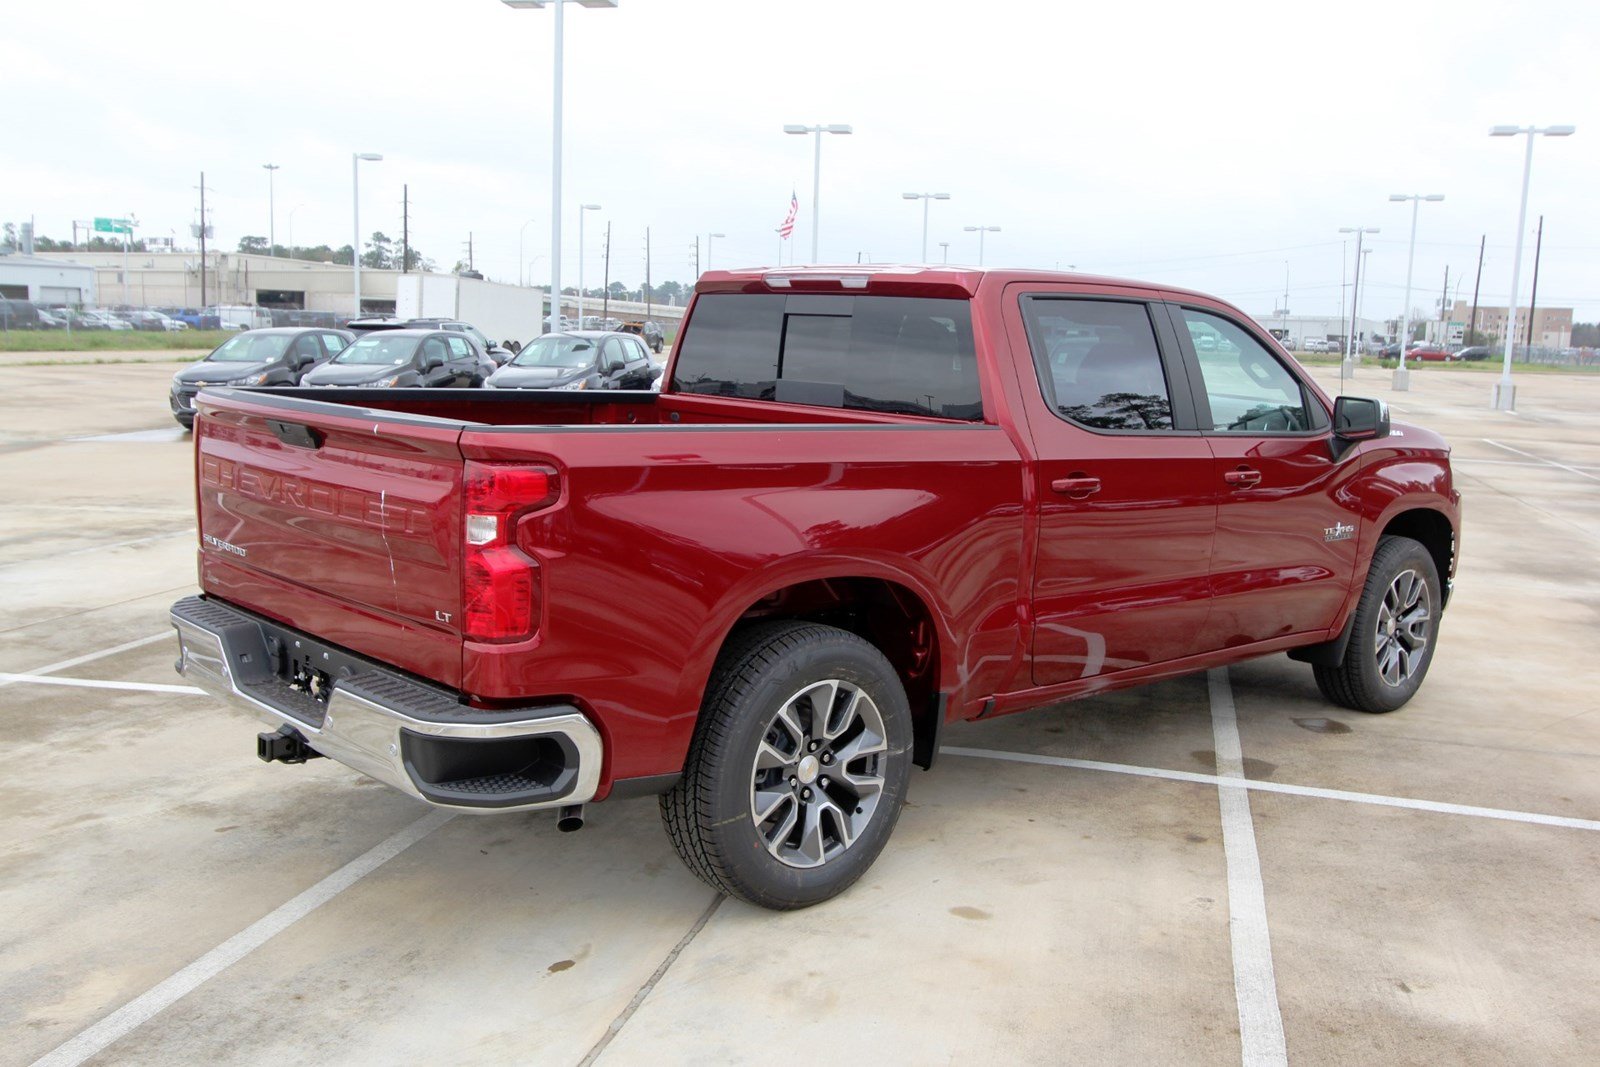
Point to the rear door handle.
(1077, 487)
(1243, 478)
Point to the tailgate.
(342, 522)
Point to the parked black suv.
(271, 356)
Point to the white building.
(1302, 328)
(46, 280)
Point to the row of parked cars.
(416, 353)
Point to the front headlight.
(581, 383)
(384, 383)
(254, 379)
(177, 379)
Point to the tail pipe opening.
(569, 818)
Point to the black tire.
(767, 675)
(1382, 666)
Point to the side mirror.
(612, 366)
(432, 360)
(1357, 418)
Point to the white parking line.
(1281, 787)
(1255, 987)
(51, 668)
(1513, 463)
(95, 683)
(147, 1005)
(1541, 459)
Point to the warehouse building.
(1298, 329)
(45, 280)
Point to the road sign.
(112, 225)
(1456, 333)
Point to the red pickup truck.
(866, 503)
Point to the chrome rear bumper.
(414, 737)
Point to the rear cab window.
(902, 355)
(1099, 363)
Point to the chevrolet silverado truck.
(867, 502)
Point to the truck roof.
(898, 279)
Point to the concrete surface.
(1022, 913)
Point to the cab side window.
(459, 347)
(1098, 363)
(1248, 390)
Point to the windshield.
(550, 351)
(251, 348)
(378, 349)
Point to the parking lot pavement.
(1411, 888)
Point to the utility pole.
(202, 241)
(469, 250)
(1344, 264)
(605, 296)
(697, 255)
(405, 228)
(1444, 296)
(1533, 299)
(647, 308)
(1472, 326)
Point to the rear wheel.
(1393, 634)
(798, 767)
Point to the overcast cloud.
(1212, 146)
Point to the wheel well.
(1433, 531)
(891, 616)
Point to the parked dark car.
(20, 315)
(494, 351)
(277, 356)
(582, 359)
(405, 359)
(195, 317)
(1474, 352)
(650, 331)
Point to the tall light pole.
(980, 231)
(1355, 295)
(521, 275)
(555, 152)
(1402, 377)
(709, 238)
(944, 249)
(581, 209)
(272, 211)
(292, 210)
(816, 173)
(356, 159)
(924, 197)
(1505, 393)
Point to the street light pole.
(980, 231)
(1347, 364)
(272, 211)
(944, 250)
(709, 238)
(816, 173)
(1505, 393)
(555, 152)
(292, 210)
(924, 197)
(581, 209)
(1402, 377)
(355, 197)
(521, 269)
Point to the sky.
(1217, 146)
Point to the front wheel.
(798, 767)
(1394, 632)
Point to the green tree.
(380, 252)
(257, 245)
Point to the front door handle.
(1242, 478)
(1077, 487)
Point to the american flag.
(788, 220)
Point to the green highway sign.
(112, 225)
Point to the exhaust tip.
(570, 818)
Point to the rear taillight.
(500, 583)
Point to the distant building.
(46, 281)
(1303, 328)
(1552, 327)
